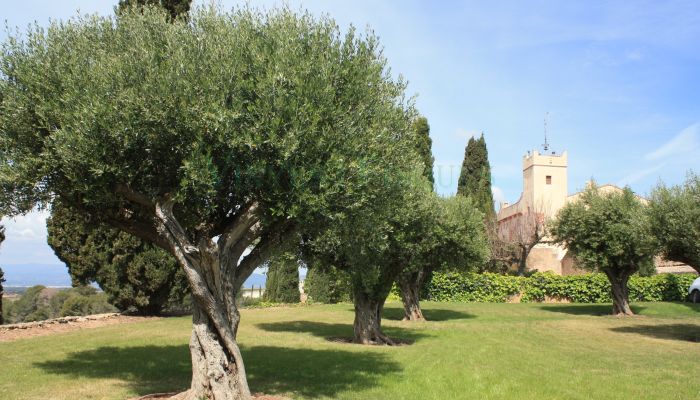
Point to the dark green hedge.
(589, 288)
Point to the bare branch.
(238, 227)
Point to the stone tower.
(545, 186)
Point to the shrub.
(38, 303)
(588, 288)
(327, 285)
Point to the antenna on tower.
(546, 144)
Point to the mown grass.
(466, 351)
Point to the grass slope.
(467, 351)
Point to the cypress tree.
(132, 272)
(282, 285)
(421, 130)
(475, 177)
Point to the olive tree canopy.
(675, 216)
(609, 233)
(207, 137)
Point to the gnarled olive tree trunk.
(368, 316)
(216, 374)
(215, 275)
(410, 285)
(620, 292)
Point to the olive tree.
(609, 233)
(225, 133)
(451, 237)
(675, 216)
(368, 248)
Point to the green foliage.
(606, 232)
(277, 109)
(39, 303)
(609, 233)
(132, 272)
(675, 217)
(327, 285)
(176, 8)
(282, 284)
(421, 130)
(587, 288)
(475, 177)
(472, 287)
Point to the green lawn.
(467, 351)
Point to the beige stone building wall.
(545, 192)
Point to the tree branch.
(262, 252)
(132, 195)
(238, 228)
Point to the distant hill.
(56, 275)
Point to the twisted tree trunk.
(368, 319)
(216, 374)
(620, 292)
(410, 285)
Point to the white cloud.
(498, 196)
(31, 226)
(634, 55)
(25, 241)
(683, 143)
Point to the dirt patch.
(25, 330)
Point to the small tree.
(282, 284)
(132, 272)
(609, 233)
(518, 236)
(369, 248)
(675, 218)
(452, 238)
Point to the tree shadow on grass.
(315, 373)
(147, 369)
(585, 309)
(431, 314)
(694, 307)
(683, 332)
(271, 370)
(335, 331)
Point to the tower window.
(549, 179)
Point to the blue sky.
(620, 81)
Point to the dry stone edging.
(61, 320)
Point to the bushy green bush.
(588, 288)
(327, 285)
